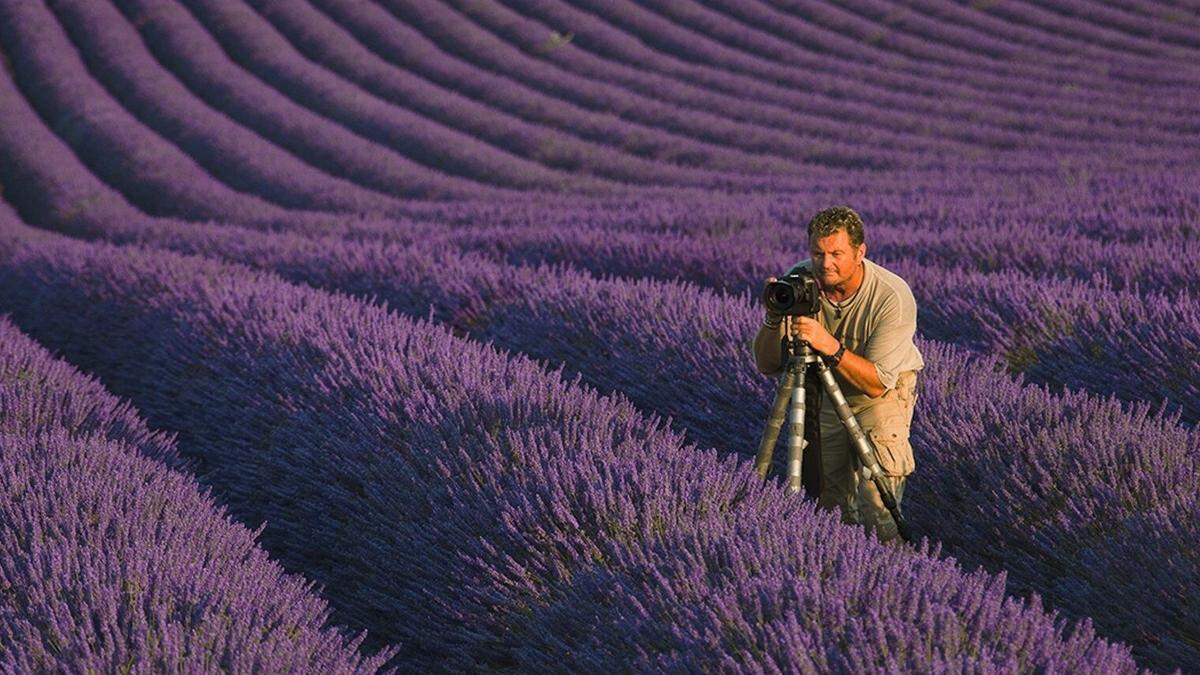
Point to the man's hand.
(813, 332)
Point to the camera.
(794, 294)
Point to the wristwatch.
(836, 357)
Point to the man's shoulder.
(802, 265)
(889, 283)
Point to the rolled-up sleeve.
(891, 342)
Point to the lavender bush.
(553, 140)
(110, 560)
(262, 51)
(421, 476)
(41, 394)
(245, 161)
(698, 372)
(606, 185)
(113, 143)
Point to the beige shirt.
(877, 323)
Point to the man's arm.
(858, 370)
(768, 357)
(861, 373)
(768, 351)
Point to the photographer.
(865, 334)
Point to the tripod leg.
(766, 446)
(811, 466)
(796, 440)
(864, 449)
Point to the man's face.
(834, 260)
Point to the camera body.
(794, 294)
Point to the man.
(865, 334)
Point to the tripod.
(791, 389)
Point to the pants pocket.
(890, 437)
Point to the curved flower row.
(118, 60)
(114, 144)
(111, 557)
(512, 112)
(682, 351)
(446, 493)
(1061, 332)
(456, 54)
(691, 36)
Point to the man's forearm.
(861, 373)
(768, 352)
(768, 357)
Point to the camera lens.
(780, 296)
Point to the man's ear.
(862, 250)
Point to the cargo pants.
(887, 421)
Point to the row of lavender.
(145, 175)
(148, 183)
(375, 49)
(627, 336)
(806, 64)
(312, 33)
(526, 121)
(1064, 332)
(136, 185)
(458, 27)
(172, 189)
(253, 44)
(459, 33)
(498, 40)
(120, 149)
(654, 98)
(469, 504)
(112, 557)
(103, 134)
(161, 176)
(1063, 319)
(941, 39)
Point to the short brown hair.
(836, 218)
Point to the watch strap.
(836, 357)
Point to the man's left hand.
(813, 332)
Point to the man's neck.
(844, 290)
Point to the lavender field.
(412, 336)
